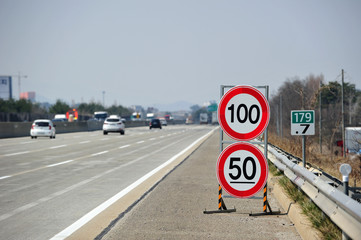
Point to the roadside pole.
(304, 150)
(303, 124)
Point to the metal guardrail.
(344, 211)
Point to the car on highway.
(60, 118)
(155, 123)
(163, 121)
(42, 128)
(114, 124)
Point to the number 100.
(248, 113)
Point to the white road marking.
(99, 153)
(14, 154)
(4, 177)
(60, 146)
(61, 163)
(84, 142)
(125, 146)
(89, 216)
(140, 142)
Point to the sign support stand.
(221, 205)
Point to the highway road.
(51, 187)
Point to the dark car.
(155, 123)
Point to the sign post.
(302, 124)
(243, 114)
(242, 169)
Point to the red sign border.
(220, 169)
(264, 108)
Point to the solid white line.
(3, 177)
(57, 164)
(125, 146)
(18, 153)
(60, 146)
(89, 216)
(99, 153)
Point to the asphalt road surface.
(52, 187)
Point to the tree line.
(25, 110)
(312, 93)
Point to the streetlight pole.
(103, 98)
(320, 103)
(343, 118)
(19, 81)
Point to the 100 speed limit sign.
(243, 113)
(242, 170)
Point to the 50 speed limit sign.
(242, 170)
(243, 113)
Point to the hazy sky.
(144, 52)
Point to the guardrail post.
(345, 170)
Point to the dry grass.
(317, 218)
(326, 161)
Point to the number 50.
(233, 165)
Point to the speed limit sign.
(242, 170)
(243, 113)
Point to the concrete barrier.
(22, 129)
(14, 129)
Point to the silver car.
(42, 128)
(114, 124)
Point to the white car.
(163, 121)
(42, 128)
(113, 124)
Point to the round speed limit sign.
(243, 113)
(242, 170)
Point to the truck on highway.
(203, 118)
(353, 139)
(150, 116)
(136, 116)
(100, 116)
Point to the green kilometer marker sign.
(303, 122)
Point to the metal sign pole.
(304, 150)
(221, 205)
